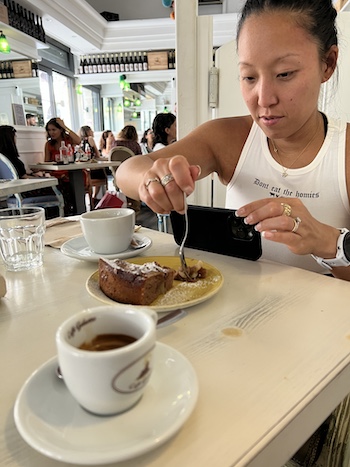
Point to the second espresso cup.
(108, 231)
(105, 355)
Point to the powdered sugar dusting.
(136, 269)
(183, 292)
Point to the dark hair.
(317, 17)
(129, 132)
(160, 123)
(53, 122)
(30, 115)
(7, 141)
(145, 133)
(103, 139)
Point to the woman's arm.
(215, 146)
(92, 143)
(47, 152)
(73, 136)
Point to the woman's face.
(149, 136)
(110, 137)
(54, 132)
(280, 73)
(172, 131)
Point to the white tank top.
(321, 186)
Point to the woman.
(147, 141)
(286, 165)
(8, 147)
(164, 130)
(56, 133)
(128, 137)
(106, 143)
(98, 178)
(87, 140)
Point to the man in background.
(31, 120)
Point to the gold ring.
(297, 221)
(166, 179)
(287, 209)
(150, 180)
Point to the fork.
(184, 268)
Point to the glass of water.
(22, 237)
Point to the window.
(57, 83)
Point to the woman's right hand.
(164, 183)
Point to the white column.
(194, 44)
(186, 65)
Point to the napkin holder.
(112, 199)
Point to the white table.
(76, 178)
(261, 393)
(25, 184)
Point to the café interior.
(242, 376)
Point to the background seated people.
(98, 177)
(128, 137)
(8, 147)
(31, 120)
(56, 132)
(164, 130)
(147, 141)
(106, 143)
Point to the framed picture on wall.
(18, 114)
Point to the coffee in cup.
(108, 231)
(105, 355)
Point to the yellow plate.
(181, 295)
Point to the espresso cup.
(105, 356)
(108, 231)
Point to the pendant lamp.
(4, 45)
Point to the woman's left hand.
(286, 220)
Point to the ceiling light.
(4, 45)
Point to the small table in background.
(11, 187)
(76, 177)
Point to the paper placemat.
(61, 229)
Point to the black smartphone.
(217, 230)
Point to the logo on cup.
(135, 376)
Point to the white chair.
(119, 153)
(8, 171)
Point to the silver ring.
(150, 180)
(297, 221)
(166, 179)
(287, 209)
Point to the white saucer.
(52, 422)
(79, 249)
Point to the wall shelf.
(131, 76)
(21, 43)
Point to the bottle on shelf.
(139, 61)
(117, 64)
(113, 70)
(99, 64)
(35, 70)
(81, 65)
(63, 153)
(144, 62)
(42, 35)
(85, 65)
(108, 64)
(90, 65)
(131, 62)
(121, 63)
(104, 64)
(94, 64)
